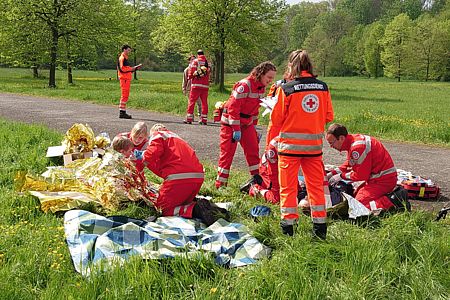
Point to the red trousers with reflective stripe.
(313, 171)
(125, 88)
(176, 197)
(193, 97)
(249, 143)
(375, 191)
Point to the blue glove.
(138, 154)
(237, 136)
(260, 211)
(258, 136)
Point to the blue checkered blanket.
(96, 241)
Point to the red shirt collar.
(255, 83)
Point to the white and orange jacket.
(299, 116)
(242, 108)
(367, 160)
(170, 157)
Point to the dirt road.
(431, 162)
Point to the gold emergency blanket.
(110, 182)
(81, 138)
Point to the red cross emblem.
(310, 103)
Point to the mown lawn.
(407, 111)
(403, 256)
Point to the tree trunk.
(216, 68)
(222, 72)
(398, 69)
(428, 67)
(34, 68)
(135, 63)
(69, 73)
(53, 55)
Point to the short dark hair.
(124, 47)
(337, 130)
(200, 52)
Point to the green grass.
(404, 256)
(408, 111)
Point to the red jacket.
(242, 108)
(124, 69)
(195, 66)
(170, 157)
(367, 160)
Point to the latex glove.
(237, 136)
(335, 179)
(138, 154)
(329, 175)
(258, 136)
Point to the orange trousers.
(125, 88)
(314, 173)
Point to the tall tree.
(395, 43)
(221, 27)
(372, 49)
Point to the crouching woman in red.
(170, 157)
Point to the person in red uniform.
(139, 137)
(239, 117)
(199, 75)
(368, 161)
(124, 71)
(170, 157)
(298, 118)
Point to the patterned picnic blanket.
(96, 240)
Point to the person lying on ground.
(173, 159)
(370, 162)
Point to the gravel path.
(431, 162)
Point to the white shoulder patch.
(355, 155)
(240, 89)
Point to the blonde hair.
(140, 128)
(157, 127)
(120, 143)
(299, 61)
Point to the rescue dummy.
(238, 121)
(171, 158)
(370, 162)
(298, 118)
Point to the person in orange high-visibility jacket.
(299, 117)
(170, 157)
(124, 71)
(368, 161)
(239, 117)
(199, 75)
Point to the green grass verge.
(409, 111)
(404, 256)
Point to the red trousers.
(176, 197)
(314, 173)
(193, 96)
(125, 88)
(249, 143)
(373, 194)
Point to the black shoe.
(287, 229)
(208, 212)
(202, 123)
(123, 115)
(246, 186)
(319, 231)
(187, 122)
(399, 197)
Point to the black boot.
(208, 212)
(320, 231)
(246, 186)
(287, 229)
(399, 197)
(123, 114)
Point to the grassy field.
(403, 256)
(407, 111)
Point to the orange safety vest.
(299, 116)
(124, 69)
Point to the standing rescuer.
(124, 71)
(199, 75)
(298, 118)
(239, 117)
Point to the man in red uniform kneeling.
(368, 161)
(170, 157)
